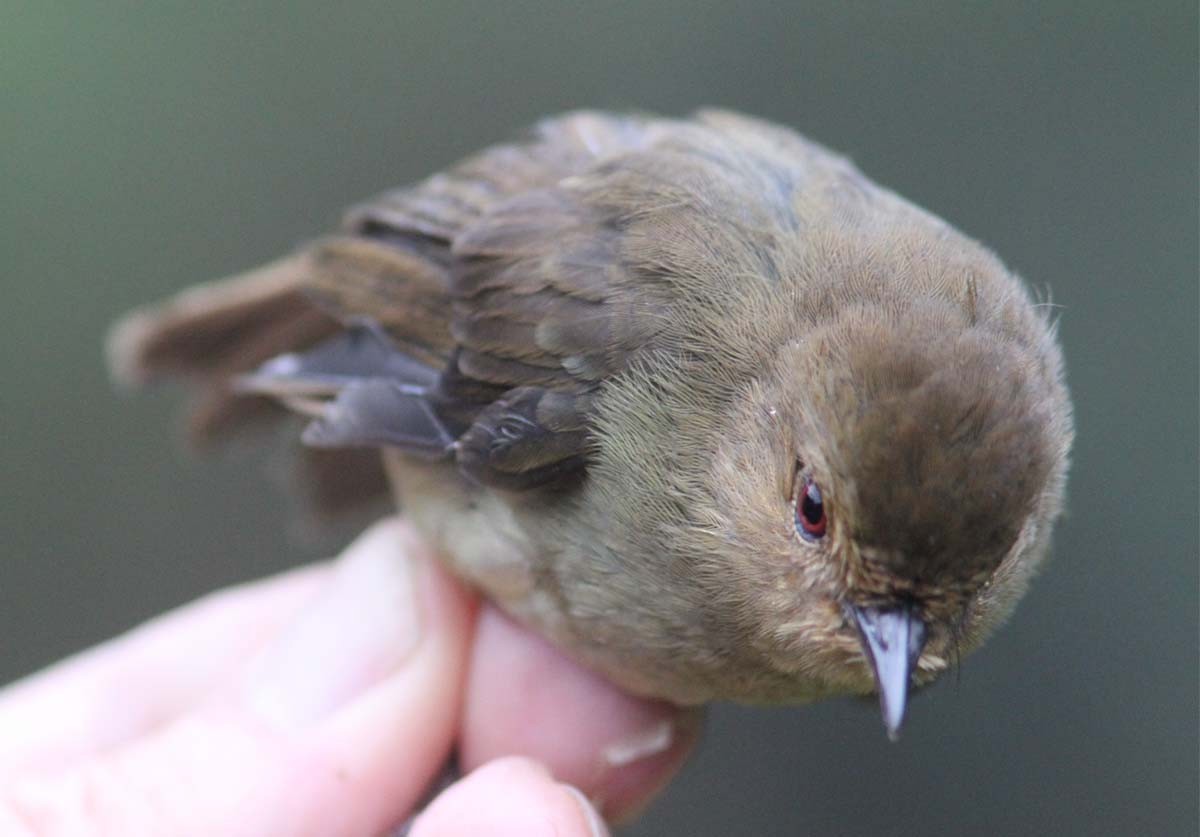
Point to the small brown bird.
(693, 398)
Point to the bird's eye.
(810, 511)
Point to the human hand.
(324, 701)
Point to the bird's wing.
(502, 274)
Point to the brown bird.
(693, 398)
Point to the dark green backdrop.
(144, 150)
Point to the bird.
(693, 398)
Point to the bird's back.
(526, 274)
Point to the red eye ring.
(811, 521)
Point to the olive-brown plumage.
(694, 398)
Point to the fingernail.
(357, 631)
(643, 744)
(638, 766)
(590, 814)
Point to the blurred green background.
(145, 149)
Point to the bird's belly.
(477, 535)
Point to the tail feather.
(213, 333)
(197, 330)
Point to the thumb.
(335, 730)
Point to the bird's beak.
(892, 640)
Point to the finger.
(524, 697)
(511, 797)
(129, 685)
(335, 730)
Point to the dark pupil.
(811, 506)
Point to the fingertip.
(510, 796)
(595, 822)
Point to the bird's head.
(894, 479)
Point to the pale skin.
(323, 701)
